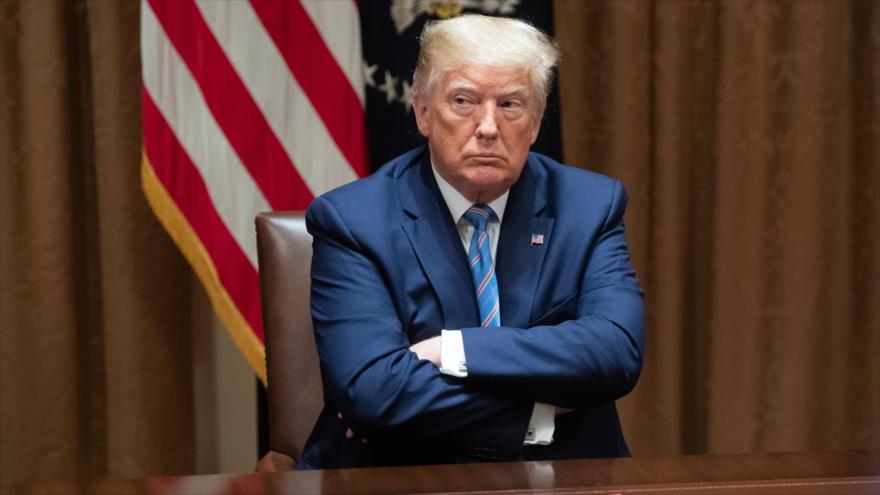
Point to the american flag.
(258, 105)
(248, 106)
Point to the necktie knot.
(479, 215)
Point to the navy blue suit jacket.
(389, 270)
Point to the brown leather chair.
(284, 250)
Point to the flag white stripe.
(172, 87)
(276, 92)
(340, 27)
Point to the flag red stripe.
(185, 185)
(319, 75)
(232, 106)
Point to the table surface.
(851, 472)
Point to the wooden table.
(856, 472)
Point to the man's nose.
(487, 127)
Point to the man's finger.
(349, 433)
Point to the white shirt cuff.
(542, 425)
(452, 359)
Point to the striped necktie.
(482, 266)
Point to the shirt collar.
(458, 204)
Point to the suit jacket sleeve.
(590, 359)
(380, 386)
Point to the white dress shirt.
(452, 353)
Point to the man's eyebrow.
(522, 90)
(460, 86)
(518, 90)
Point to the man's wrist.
(452, 358)
(542, 425)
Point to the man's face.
(480, 123)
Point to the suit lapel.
(519, 257)
(437, 245)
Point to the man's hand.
(349, 433)
(275, 461)
(428, 350)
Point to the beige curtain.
(95, 366)
(748, 136)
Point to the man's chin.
(488, 177)
(486, 161)
(489, 185)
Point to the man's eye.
(511, 104)
(460, 100)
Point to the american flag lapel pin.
(537, 239)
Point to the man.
(472, 300)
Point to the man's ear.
(536, 127)
(420, 109)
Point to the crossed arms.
(383, 389)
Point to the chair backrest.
(284, 249)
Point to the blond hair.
(485, 41)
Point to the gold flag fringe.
(194, 251)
